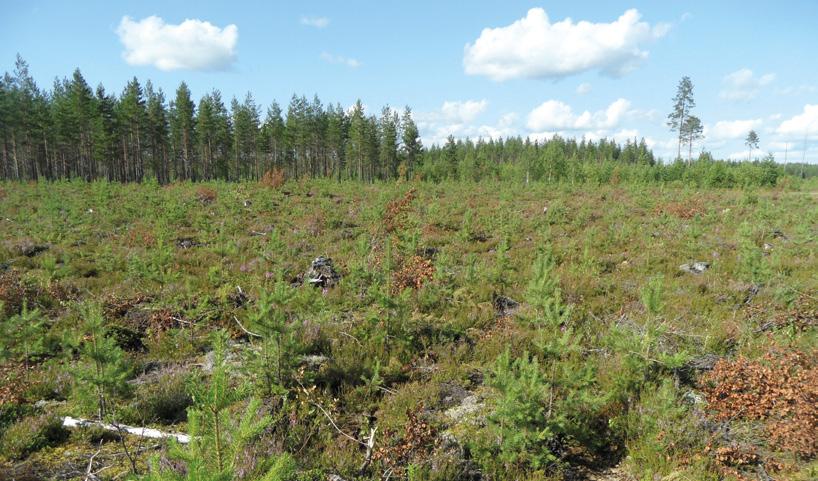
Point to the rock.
(452, 394)
(694, 398)
(428, 252)
(335, 477)
(688, 373)
(469, 406)
(250, 265)
(703, 363)
(248, 203)
(314, 361)
(29, 248)
(238, 298)
(187, 243)
(777, 234)
(767, 246)
(695, 268)
(505, 306)
(322, 273)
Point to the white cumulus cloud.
(731, 129)
(460, 118)
(557, 115)
(805, 123)
(744, 85)
(583, 88)
(340, 59)
(193, 44)
(534, 47)
(463, 111)
(316, 22)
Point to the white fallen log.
(70, 422)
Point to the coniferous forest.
(76, 131)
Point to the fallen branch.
(70, 422)
(370, 445)
(89, 474)
(249, 333)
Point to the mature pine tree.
(693, 131)
(132, 118)
(355, 147)
(335, 136)
(105, 136)
(388, 151)
(272, 135)
(297, 136)
(182, 129)
(372, 148)
(156, 136)
(411, 147)
(214, 135)
(751, 142)
(683, 103)
(245, 135)
(450, 157)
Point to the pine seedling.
(103, 371)
(215, 441)
(652, 296)
(269, 320)
(23, 335)
(545, 295)
(753, 267)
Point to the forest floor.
(481, 331)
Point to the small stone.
(29, 249)
(469, 406)
(187, 243)
(322, 273)
(505, 305)
(695, 268)
(314, 360)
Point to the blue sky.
(468, 69)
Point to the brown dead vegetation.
(273, 178)
(394, 217)
(414, 272)
(780, 390)
(682, 210)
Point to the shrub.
(661, 432)
(164, 399)
(32, 434)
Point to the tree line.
(74, 131)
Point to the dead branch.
(249, 333)
(70, 422)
